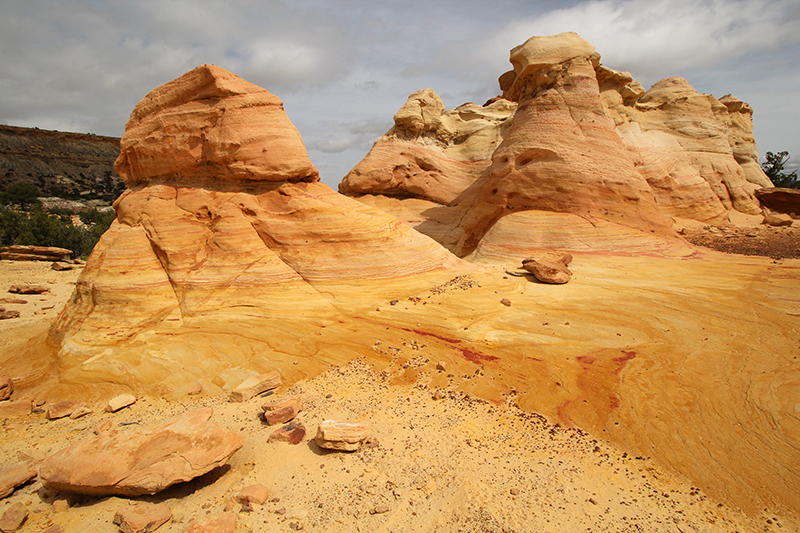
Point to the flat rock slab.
(222, 523)
(13, 518)
(293, 433)
(343, 435)
(549, 267)
(63, 409)
(120, 402)
(255, 385)
(15, 475)
(280, 411)
(142, 517)
(28, 289)
(145, 462)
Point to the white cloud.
(658, 38)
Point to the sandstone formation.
(584, 140)
(6, 387)
(132, 464)
(431, 153)
(223, 236)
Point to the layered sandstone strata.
(223, 241)
(584, 140)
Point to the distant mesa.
(569, 141)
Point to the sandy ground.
(459, 463)
(454, 464)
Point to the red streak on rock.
(470, 355)
(620, 361)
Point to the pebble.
(379, 509)
(120, 402)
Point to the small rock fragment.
(55, 528)
(120, 402)
(438, 394)
(295, 526)
(506, 302)
(62, 409)
(142, 517)
(341, 435)
(28, 289)
(59, 266)
(194, 391)
(255, 385)
(59, 506)
(9, 314)
(549, 267)
(441, 366)
(280, 411)
(6, 387)
(13, 518)
(293, 433)
(257, 493)
(16, 475)
(778, 219)
(222, 523)
(514, 491)
(379, 509)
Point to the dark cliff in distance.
(67, 165)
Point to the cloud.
(358, 135)
(658, 38)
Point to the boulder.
(134, 463)
(59, 266)
(6, 387)
(280, 411)
(221, 523)
(35, 253)
(15, 475)
(254, 386)
(341, 435)
(142, 517)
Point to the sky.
(343, 68)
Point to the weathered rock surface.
(431, 153)
(293, 433)
(15, 475)
(142, 517)
(62, 409)
(168, 135)
(780, 200)
(6, 387)
(146, 462)
(341, 435)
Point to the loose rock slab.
(341, 435)
(13, 518)
(63, 409)
(132, 464)
(16, 475)
(255, 385)
(293, 433)
(280, 411)
(142, 517)
(120, 402)
(28, 289)
(253, 494)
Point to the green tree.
(773, 168)
(21, 194)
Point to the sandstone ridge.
(579, 139)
